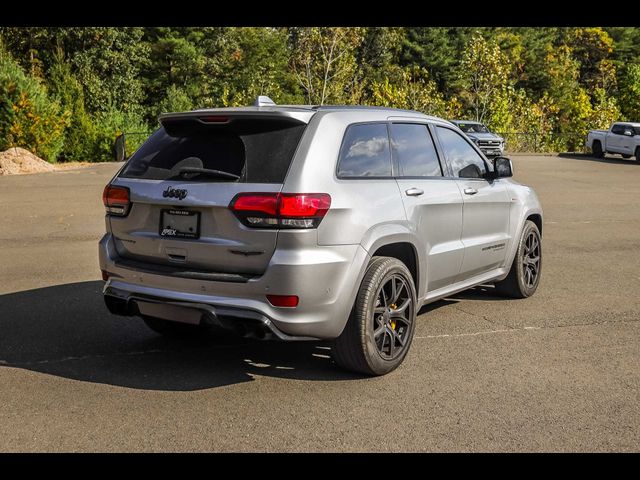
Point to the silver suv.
(306, 222)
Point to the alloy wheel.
(531, 259)
(393, 314)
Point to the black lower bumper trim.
(181, 272)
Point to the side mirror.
(502, 167)
(628, 133)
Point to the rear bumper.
(325, 278)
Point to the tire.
(597, 149)
(359, 348)
(519, 283)
(637, 154)
(170, 329)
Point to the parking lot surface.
(556, 372)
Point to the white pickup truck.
(622, 138)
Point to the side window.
(617, 129)
(414, 150)
(463, 159)
(365, 151)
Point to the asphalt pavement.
(556, 372)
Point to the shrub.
(80, 133)
(29, 118)
(413, 89)
(113, 123)
(176, 100)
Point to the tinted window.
(257, 151)
(463, 159)
(365, 151)
(618, 129)
(473, 128)
(413, 149)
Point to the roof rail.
(263, 101)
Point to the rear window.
(255, 151)
(365, 151)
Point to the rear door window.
(414, 150)
(365, 152)
(257, 151)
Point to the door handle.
(414, 192)
(470, 191)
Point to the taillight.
(281, 210)
(116, 200)
(283, 300)
(264, 203)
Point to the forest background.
(66, 94)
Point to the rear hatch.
(182, 180)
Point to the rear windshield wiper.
(209, 172)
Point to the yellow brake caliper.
(393, 322)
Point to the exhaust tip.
(118, 306)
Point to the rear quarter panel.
(357, 205)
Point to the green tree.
(591, 47)
(178, 63)
(255, 62)
(29, 118)
(80, 132)
(535, 43)
(626, 45)
(379, 51)
(175, 100)
(572, 100)
(108, 63)
(629, 92)
(324, 62)
(484, 72)
(113, 122)
(411, 88)
(438, 50)
(605, 110)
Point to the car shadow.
(65, 330)
(481, 292)
(589, 158)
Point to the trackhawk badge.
(175, 193)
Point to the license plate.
(179, 224)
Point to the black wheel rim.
(393, 317)
(531, 259)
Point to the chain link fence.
(531, 142)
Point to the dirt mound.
(17, 160)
